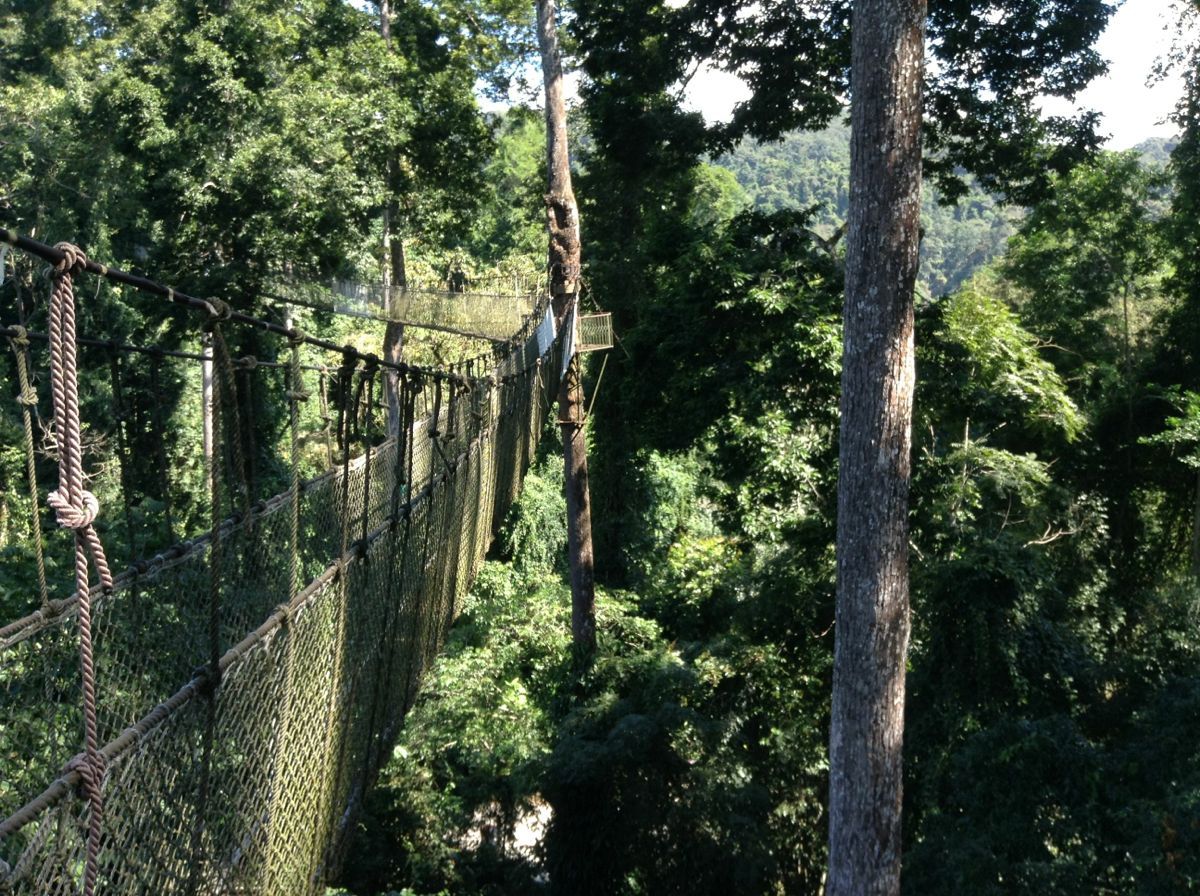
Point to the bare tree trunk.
(562, 214)
(876, 434)
(562, 221)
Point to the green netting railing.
(250, 783)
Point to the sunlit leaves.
(1006, 361)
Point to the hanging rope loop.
(76, 509)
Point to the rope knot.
(71, 516)
(19, 337)
(219, 309)
(297, 336)
(249, 362)
(27, 397)
(73, 260)
(297, 395)
(91, 768)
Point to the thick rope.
(76, 509)
(27, 398)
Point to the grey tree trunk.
(562, 221)
(872, 626)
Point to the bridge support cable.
(299, 625)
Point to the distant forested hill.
(812, 168)
(1156, 150)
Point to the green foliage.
(1008, 370)
(1182, 433)
(534, 536)
(1091, 257)
(512, 217)
(811, 170)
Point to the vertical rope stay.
(345, 387)
(119, 414)
(295, 395)
(213, 671)
(369, 374)
(410, 673)
(225, 378)
(27, 399)
(403, 431)
(345, 393)
(160, 449)
(326, 419)
(76, 509)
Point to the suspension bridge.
(205, 714)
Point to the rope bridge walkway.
(241, 687)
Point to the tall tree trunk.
(876, 436)
(562, 221)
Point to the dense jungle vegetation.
(1054, 673)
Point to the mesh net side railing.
(250, 787)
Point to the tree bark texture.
(579, 510)
(562, 214)
(562, 223)
(872, 627)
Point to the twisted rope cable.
(76, 509)
(27, 399)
